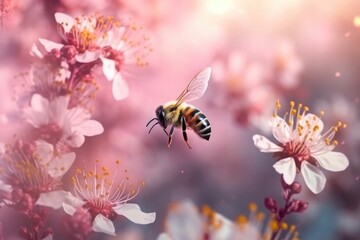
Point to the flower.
(115, 44)
(303, 147)
(185, 221)
(32, 173)
(104, 199)
(55, 121)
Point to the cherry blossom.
(104, 199)
(55, 121)
(303, 146)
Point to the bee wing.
(196, 87)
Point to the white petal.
(35, 52)
(51, 199)
(60, 165)
(65, 21)
(50, 45)
(109, 69)
(287, 167)
(48, 237)
(44, 151)
(163, 236)
(89, 128)
(87, 56)
(71, 202)
(120, 88)
(39, 103)
(133, 212)
(5, 187)
(281, 129)
(314, 178)
(76, 140)
(332, 161)
(104, 225)
(57, 109)
(265, 145)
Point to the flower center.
(50, 132)
(98, 206)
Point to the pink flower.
(56, 121)
(102, 38)
(104, 199)
(35, 170)
(303, 147)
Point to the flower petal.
(287, 168)
(76, 140)
(65, 21)
(163, 236)
(89, 128)
(5, 187)
(44, 151)
(60, 165)
(87, 56)
(70, 203)
(133, 212)
(35, 51)
(314, 177)
(108, 68)
(265, 145)
(104, 225)
(50, 45)
(120, 88)
(51, 199)
(280, 129)
(332, 161)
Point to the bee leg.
(170, 135)
(183, 126)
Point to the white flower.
(104, 199)
(303, 147)
(115, 44)
(55, 120)
(184, 221)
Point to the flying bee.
(178, 113)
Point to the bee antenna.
(153, 126)
(150, 121)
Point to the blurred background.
(260, 51)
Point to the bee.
(178, 113)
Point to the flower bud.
(295, 188)
(270, 204)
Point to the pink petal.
(51, 199)
(57, 109)
(109, 69)
(77, 116)
(44, 151)
(120, 88)
(104, 225)
(133, 213)
(50, 45)
(265, 145)
(65, 21)
(76, 140)
(87, 56)
(287, 168)
(5, 187)
(332, 161)
(89, 128)
(48, 237)
(314, 177)
(39, 103)
(60, 165)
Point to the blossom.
(303, 146)
(32, 173)
(185, 221)
(102, 38)
(104, 199)
(55, 121)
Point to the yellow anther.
(292, 104)
(322, 113)
(293, 112)
(78, 171)
(335, 143)
(344, 125)
(316, 128)
(278, 105)
(260, 216)
(284, 226)
(327, 141)
(242, 220)
(292, 228)
(252, 207)
(274, 225)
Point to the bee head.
(160, 115)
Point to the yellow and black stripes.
(197, 121)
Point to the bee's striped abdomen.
(197, 121)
